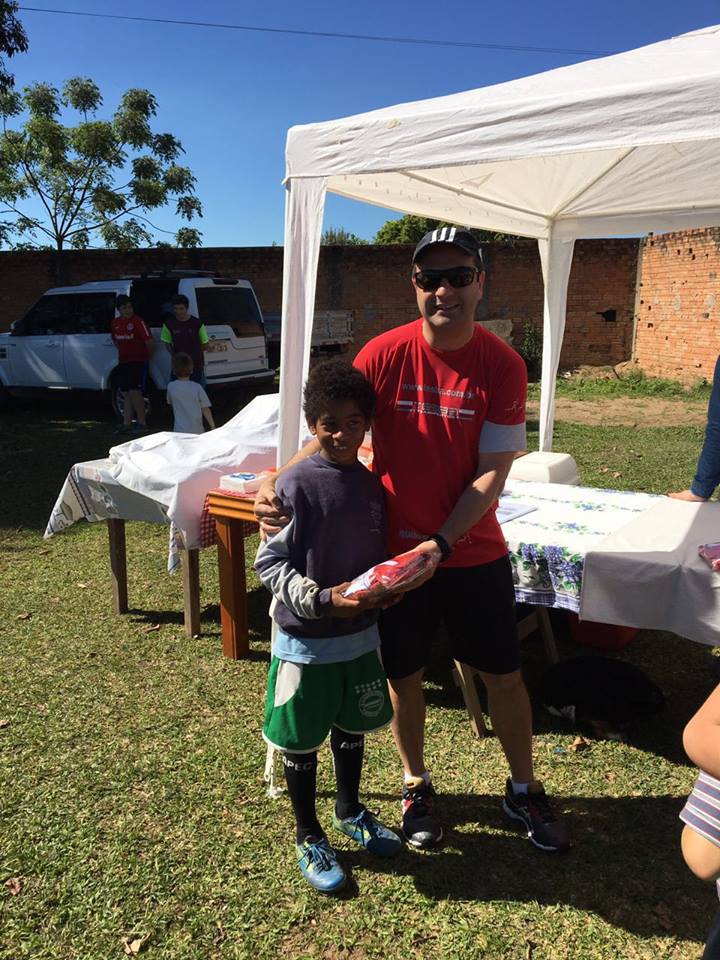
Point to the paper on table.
(509, 510)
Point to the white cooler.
(548, 467)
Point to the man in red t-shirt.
(450, 419)
(134, 344)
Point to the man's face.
(180, 311)
(126, 311)
(448, 305)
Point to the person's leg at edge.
(712, 944)
(707, 474)
(511, 716)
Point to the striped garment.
(702, 809)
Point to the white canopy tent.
(621, 145)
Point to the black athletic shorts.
(132, 375)
(477, 607)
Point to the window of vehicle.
(64, 313)
(234, 306)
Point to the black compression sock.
(347, 750)
(301, 778)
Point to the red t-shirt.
(436, 410)
(129, 336)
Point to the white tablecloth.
(648, 573)
(616, 557)
(165, 476)
(548, 546)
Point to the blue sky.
(230, 96)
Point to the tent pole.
(556, 254)
(304, 207)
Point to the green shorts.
(305, 700)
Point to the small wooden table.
(230, 514)
(190, 577)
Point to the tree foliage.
(95, 177)
(13, 39)
(339, 236)
(411, 229)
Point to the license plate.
(217, 346)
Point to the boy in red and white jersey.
(134, 343)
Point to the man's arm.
(270, 512)
(203, 337)
(473, 504)
(479, 496)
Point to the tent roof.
(623, 144)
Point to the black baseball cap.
(457, 236)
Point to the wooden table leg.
(118, 564)
(191, 591)
(233, 594)
(465, 679)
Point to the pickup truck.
(332, 333)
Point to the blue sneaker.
(367, 830)
(319, 865)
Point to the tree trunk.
(59, 267)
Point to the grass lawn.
(131, 797)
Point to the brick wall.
(373, 283)
(677, 305)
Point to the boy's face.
(340, 431)
(180, 311)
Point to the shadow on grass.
(39, 442)
(41, 439)
(606, 872)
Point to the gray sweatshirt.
(336, 532)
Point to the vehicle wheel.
(117, 399)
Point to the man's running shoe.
(367, 830)
(534, 810)
(319, 865)
(419, 825)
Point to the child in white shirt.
(188, 400)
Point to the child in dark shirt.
(325, 674)
(183, 333)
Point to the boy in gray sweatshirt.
(325, 674)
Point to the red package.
(710, 552)
(389, 576)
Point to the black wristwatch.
(445, 548)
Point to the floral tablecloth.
(548, 545)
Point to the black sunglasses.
(430, 280)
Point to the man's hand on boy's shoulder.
(270, 512)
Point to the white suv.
(63, 342)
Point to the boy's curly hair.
(335, 381)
